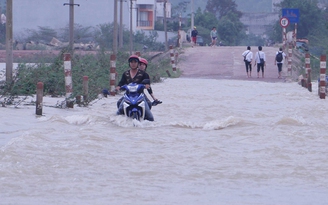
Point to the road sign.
(284, 22)
(293, 15)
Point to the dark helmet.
(134, 57)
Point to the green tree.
(104, 35)
(205, 19)
(159, 26)
(250, 39)
(275, 32)
(3, 5)
(179, 9)
(142, 39)
(81, 33)
(229, 28)
(43, 34)
(312, 24)
(263, 6)
(221, 8)
(170, 25)
(229, 25)
(310, 15)
(2, 33)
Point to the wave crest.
(221, 124)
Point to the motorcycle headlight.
(132, 88)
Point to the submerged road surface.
(226, 63)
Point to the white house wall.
(153, 2)
(160, 10)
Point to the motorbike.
(134, 101)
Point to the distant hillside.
(249, 6)
(254, 6)
(197, 4)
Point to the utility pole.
(131, 42)
(121, 24)
(192, 14)
(115, 29)
(9, 42)
(71, 24)
(165, 26)
(179, 32)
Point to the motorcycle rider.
(143, 64)
(134, 75)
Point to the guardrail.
(322, 81)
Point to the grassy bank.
(96, 66)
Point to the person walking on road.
(260, 61)
(214, 36)
(194, 34)
(279, 60)
(248, 56)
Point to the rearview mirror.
(145, 81)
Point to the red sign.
(284, 22)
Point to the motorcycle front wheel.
(135, 116)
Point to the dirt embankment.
(23, 54)
(20, 55)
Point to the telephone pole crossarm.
(65, 4)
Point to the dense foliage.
(204, 21)
(221, 8)
(2, 26)
(229, 26)
(312, 24)
(249, 6)
(81, 34)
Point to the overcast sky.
(51, 13)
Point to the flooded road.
(214, 141)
